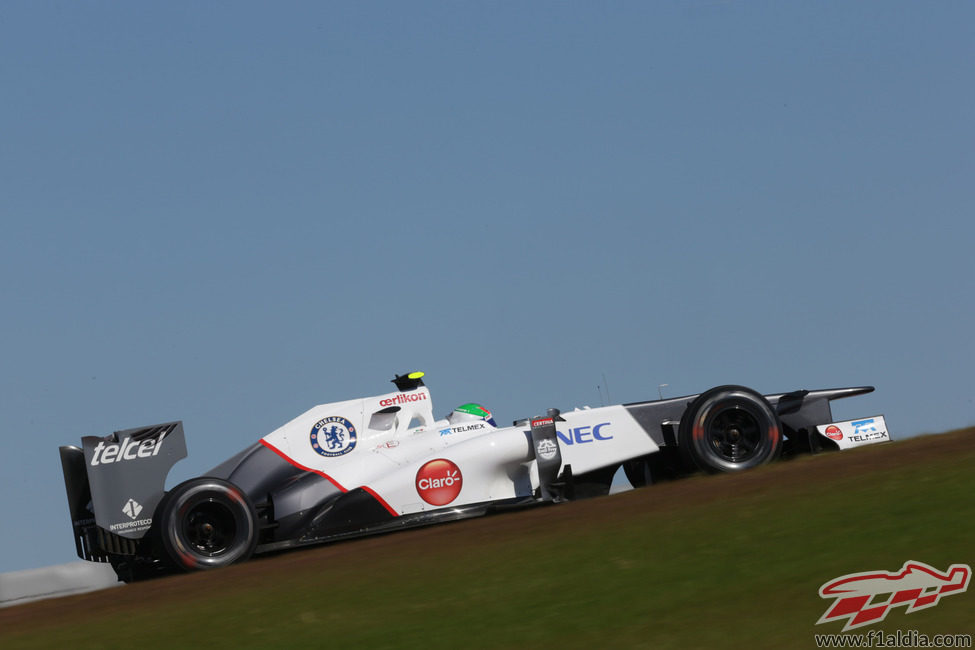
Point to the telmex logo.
(916, 585)
(464, 428)
(863, 427)
(128, 449)
(439, 482)
(403, 398)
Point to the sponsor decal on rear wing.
(127, 473)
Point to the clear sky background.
(226, 213)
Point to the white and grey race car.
(383, 463)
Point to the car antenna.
(660, 390)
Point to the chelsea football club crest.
(333, 436)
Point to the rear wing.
(114, 484)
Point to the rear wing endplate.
(117, 481)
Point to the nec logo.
(586, 434)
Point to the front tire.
(207, 523)
(730, 429)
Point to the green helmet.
(471, 413)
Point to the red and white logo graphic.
(916, 585)
(438, 482)
(833, 432)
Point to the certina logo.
(587, 434)
(916, 585)
(439, 482)
(129, 449)
(403, 398)
(542, 422)
(333, 436)
(833, 432)
(132, 508)
(546, 449)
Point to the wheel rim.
(209, 528)
(735, 435)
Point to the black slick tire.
(729, 429)
(207, 523)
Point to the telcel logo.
(583, 435)
(128, 449)
(439, 482)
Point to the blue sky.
(226, 213)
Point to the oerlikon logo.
(438, 482)
(865, 598)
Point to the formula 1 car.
(383, 463)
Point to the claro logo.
(129, 449)
(438, 482)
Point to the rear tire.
(729, 429)
(207, 523)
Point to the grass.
(737, 565)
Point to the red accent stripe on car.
(372, 493)
(300, 466)
(381, 500)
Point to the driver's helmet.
(471, 413)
